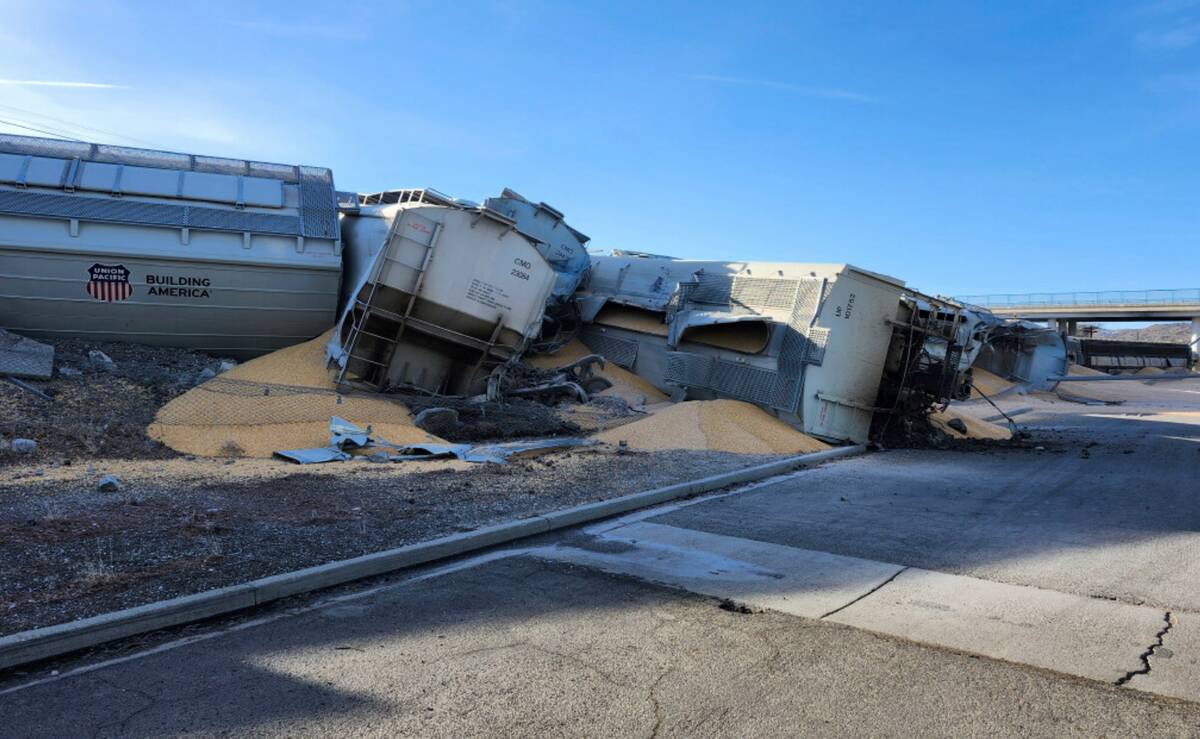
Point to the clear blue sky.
(963, 147)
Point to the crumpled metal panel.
(346, 435)
(565, 248)
(319, 455)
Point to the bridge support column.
(1052, 324)
(1195, 344)
(1072, 328)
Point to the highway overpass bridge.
(1067, 310)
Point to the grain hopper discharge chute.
(112, 243)
(439, 291)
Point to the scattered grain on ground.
(977, 428)
(282, 400)
(716, 425)
(990, 384)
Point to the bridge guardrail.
(1105, 297)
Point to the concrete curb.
(52, 641)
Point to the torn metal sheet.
(22, 357)
(343, 433)
(319, 455)
(494, 453)
(346, 437)
(503, 452)
(417, 452)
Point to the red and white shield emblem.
(109, 282)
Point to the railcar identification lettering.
(486, 293)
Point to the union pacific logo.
(109, 282)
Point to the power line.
(80, 126)
(41, 130)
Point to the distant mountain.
(1167, 333)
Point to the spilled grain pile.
(1091, 392)
(715, 425)
(987, 383)
(976, 428)
(283, 400)
(626, 385)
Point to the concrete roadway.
(917, 592)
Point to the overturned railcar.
(231, 257)
(827, 347)
(1111, 355)
(438, 293)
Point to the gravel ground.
(181, 526)
(99, 409)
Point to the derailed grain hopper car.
(826, 347)
(231, 257)
(439, 291)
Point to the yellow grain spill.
(715, 425)
(1081, 371)
(1149, 371)
(977, 428)
(633, 389)
(282, 400)
(991, 384)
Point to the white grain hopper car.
(437, 293)
(826, 347)
(230, 257)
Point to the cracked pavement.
(856, 598)
(525, 647)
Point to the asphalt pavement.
(946, 593)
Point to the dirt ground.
(183, 525)
(98, 410)
(101, 410)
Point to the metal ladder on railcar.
(364, 310)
